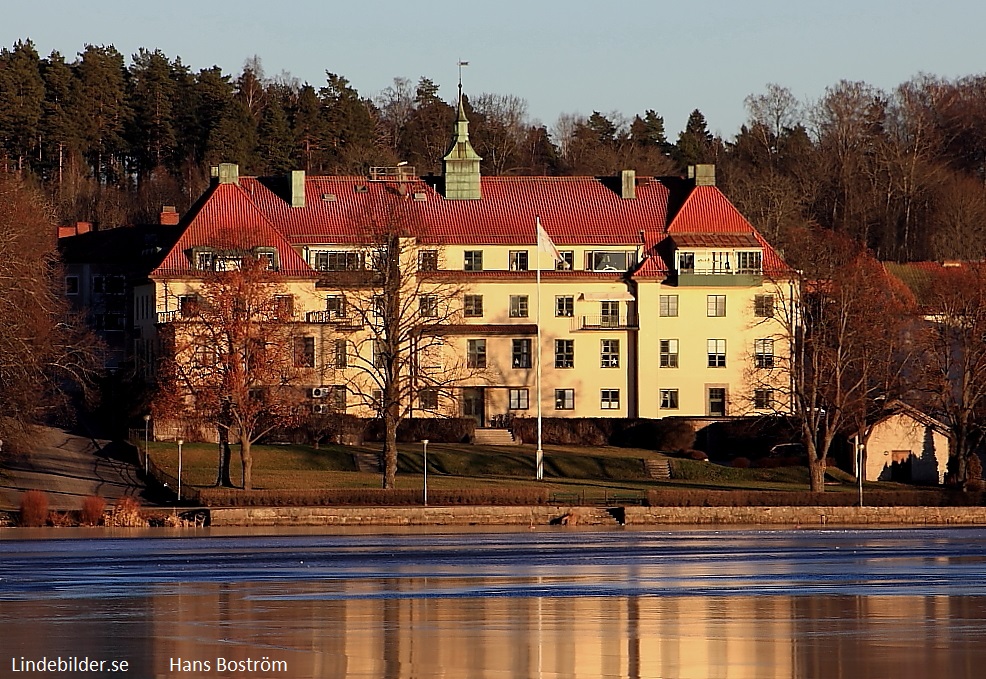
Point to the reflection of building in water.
(393, 634)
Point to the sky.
(571, 56)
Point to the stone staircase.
(368, 461)
(659, 470)
(494, 437)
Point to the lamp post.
(180, 441)
(147, 420)
(424, 442)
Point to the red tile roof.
(228, 220)
(573, 210)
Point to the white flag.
(546, 245)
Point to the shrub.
(34, 508)
(92, 510)
(126, 513)
(695, 455)
(226, 497)
(435, 429)
(666, 434)
(741, 463)
(61, 519)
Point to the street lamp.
(147, 420)
(180, 441)
(424, 442)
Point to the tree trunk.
(246, 460)
(390, 422)
(816, 472)
(225, 457)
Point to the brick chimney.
(169, 216)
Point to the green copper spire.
(460, 166)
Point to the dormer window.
(610, 260)
(268, 258)
(205, 260)
(336, 260)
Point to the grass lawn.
(592, 473)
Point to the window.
(476, 353)
(669, 399)
(428, 260)
(110, 321)
(763, 399)
(109, 285)
(564, 399)
(376, 399)
(518, 306)
(609, 399)
(337, 260)
(717, 353)
(428, 306)
(335, 305)
(521, 353)
(669, 305)
(71, 285)
(609, 314)
(686, 262)
(428, 399)
(304, 352)
(717, 401)
(610, 260)
(763, 306)
(188, 306)
(763, 353)
(205, 261)
(338, 398)
(519, 399)
(610, 353)
(669, 353)
(340, 353)
(720, 262)
(283, 307)
(567, 262)
(473, 260)
(517, 260)
(749, 262)
(267, 259)
(565, 305)
(205, 353)
(715, 305)
(564, 353)
(379, 306)
(379, 354)
(472, 306)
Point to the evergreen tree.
(100, 106)
(308, 130)
(275, 141)
(151, 133)
(59, 129)
(21, 102)
(352, 131)
(695, 143)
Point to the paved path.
(68, 467)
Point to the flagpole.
(537, 256)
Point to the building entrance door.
(474, 404)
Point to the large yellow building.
(666, 301)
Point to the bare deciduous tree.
(234, 360)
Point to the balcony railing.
(167, 316)
(720, 271)
(607, 322)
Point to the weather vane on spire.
(461, 64)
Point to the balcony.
(167, 316)
(721, 276)
(607, 322)
(332, 318)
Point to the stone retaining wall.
(635, 516)
(807, 516)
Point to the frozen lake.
(547, 603)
